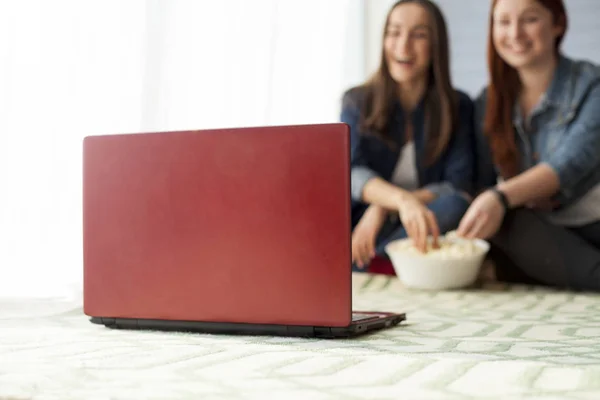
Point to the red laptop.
(235, 231)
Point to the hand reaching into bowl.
(418, 221)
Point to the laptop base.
(356, 328)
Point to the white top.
(584, 211)
(405, 174)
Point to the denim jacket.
(562, 131)
(372, 157)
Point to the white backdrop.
(70, 68)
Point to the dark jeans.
(529, 249)
(448, 211)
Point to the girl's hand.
(483, 218)
(418, 221)
(365, 234)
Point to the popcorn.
(450, 247)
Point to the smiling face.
(524, 32)
(407, 43)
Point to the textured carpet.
(497, 343)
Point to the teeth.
(519, 49)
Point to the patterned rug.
(492, 343)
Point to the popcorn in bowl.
(454, 264)
(450, 246)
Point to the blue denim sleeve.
(459, 160)
(361, 173)
(579, 158)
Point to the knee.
(451, 204)
(516, 220)
(449, 210)
(456, 202)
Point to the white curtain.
(71, 68)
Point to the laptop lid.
(247, 225)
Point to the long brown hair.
(441, 102)
(502, 93)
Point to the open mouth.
(405, 61)
(519, 49)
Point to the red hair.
(502, 95)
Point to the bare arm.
(381, 193)
(537, 183)
(485, 215)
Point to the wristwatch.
(502, 197)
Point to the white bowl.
(435, 272)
